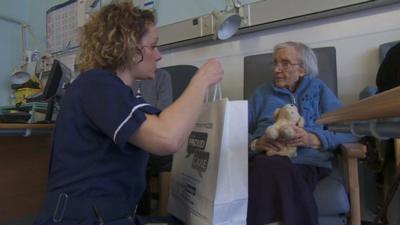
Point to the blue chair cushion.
(331, 197)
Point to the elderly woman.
(281, 188)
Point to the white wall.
(10, 43)
(356, 38)
(172, 11)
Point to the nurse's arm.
(166, 133)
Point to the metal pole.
(381, 129)
(12, 20)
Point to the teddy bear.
(285, 119)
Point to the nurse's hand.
(210, 73)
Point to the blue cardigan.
(312, 98)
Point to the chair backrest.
(388, 75)
(384, 48)
(180, 78)
(258, 70)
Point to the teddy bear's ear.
(300, 122)
(276, 113)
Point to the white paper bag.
(209, 175)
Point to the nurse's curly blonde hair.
(109, 40)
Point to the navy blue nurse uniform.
(95, 175)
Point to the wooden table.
(23, 168)
(381, 106)
(25, 129)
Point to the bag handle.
(215, 95)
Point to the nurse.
(103, 133)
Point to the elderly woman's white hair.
(306, 56)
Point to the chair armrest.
(352, 152)
(397, 153)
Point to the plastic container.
(22, 93)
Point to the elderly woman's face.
(287, 68)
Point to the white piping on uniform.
(126, 120)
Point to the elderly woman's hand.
(303, 138)
(267, 144)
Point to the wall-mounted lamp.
(20, 77)
(227, 22)
(24, 71)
